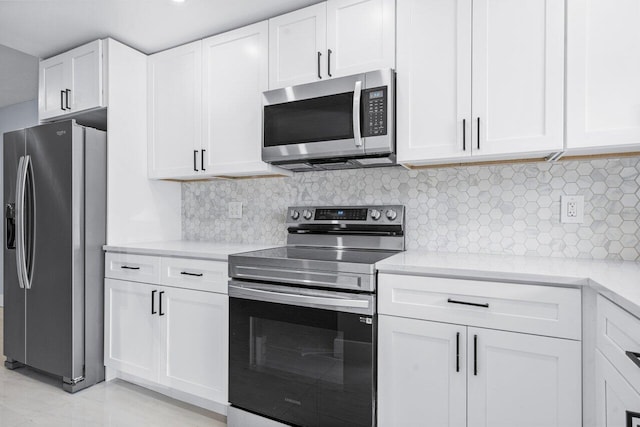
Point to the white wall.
(13, 117)
(138, 209)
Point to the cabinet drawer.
(202, 275)
(543, 310)
(136, 268)
(619, 333)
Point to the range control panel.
(369, 215)
(374, 119)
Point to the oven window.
(307, 351)
(326, 118)
(299, 365)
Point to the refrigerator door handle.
(29, 247)
(19, 220)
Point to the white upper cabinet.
(234, 76)
(360, 36)
(175, 112)
(297, 47)
(518, 76)
(479, 80)
(331, 39)
(603, 65)
(433, 96)
(71, 82)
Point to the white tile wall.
(511, 208)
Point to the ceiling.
(43, 28)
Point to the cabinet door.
(422, 373)
(51, 96)
(195, 341)
(85, 76)
(174, 112)
(235, 75)
(297, 47)
(360, 36)
(523, 380)
(132, 336)
(603, 65)
(614, 396)
(433, 80)
(518, 76)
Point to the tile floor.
(29, 398)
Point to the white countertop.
(618, 280)
(187, 249)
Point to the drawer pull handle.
(127, 267)
(186, 273)
(635, 357)
(475, 304)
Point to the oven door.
(302, 356)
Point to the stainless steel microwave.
(342, 123)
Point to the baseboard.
(209, 405)
(1, 300)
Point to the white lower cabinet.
(172, 338)
(421, 380)
(443, 360)
(522, 380)
(132, 337)
(194, 341)
(438, 374)
(614, 396)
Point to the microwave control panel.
(374, 119)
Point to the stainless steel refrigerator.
(55, 227)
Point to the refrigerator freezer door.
(55, 300)
(14, 295)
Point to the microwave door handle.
(357, 135)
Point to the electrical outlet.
(235, 209)
(572, 209)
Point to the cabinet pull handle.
(153, 302)
(186, 273)
(195, 159)
(319, 55)
(68, 91)
(635, 357)
(329, 52)
(202, 159)
(475, 304)
(62, 100)
(475, 355)
(478, 136)
(161, 312)
(464, 134)
(127, 267)
(457, 351)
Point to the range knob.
(391, 214)
(375, 214)
(307, 214)
(295, 214)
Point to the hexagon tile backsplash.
(508, 208)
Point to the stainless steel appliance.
(55, 209)
(302, 334)
(342, 123)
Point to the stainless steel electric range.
(302, 334)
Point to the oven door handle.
(331, 303)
